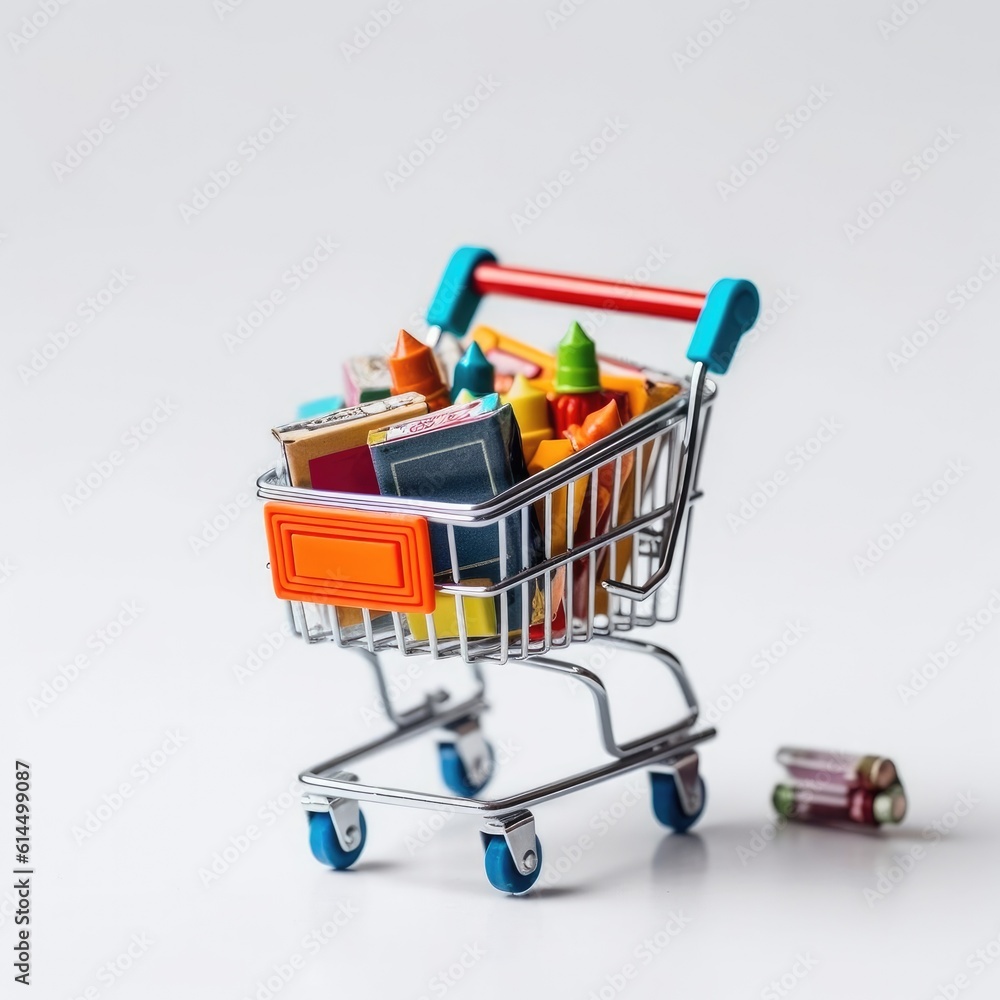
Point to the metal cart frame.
(661, 449)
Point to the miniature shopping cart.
(641, 546)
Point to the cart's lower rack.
(332, 791)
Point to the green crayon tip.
(473, 372)
(576, 363)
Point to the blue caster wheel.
(326, 848)
(500, 868)
(667, 803)
(454, 774)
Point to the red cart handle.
(623, 296)
(721, 316)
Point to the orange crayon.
(413, 368)
(596, 427)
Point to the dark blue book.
(463, 454)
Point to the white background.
(654, 190)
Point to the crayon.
(564, 515)
(597, 426)
(414, 368)
(531, 408)
(550, 453)
(576, 363)
(473, 373)
(576, 387)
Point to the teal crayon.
(473, 372)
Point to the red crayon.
(577, 385)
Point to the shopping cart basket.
(642, 546)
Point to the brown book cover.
(331, 452)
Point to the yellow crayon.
(531, 410)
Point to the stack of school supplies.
(839, 788)
(507, 412)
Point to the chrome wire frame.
(663, 450)
(661, 453)
(664, 748)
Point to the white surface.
(655, 188)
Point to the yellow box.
(480, 616)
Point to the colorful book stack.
(839, 788)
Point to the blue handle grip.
(730, 309)
(456, 299)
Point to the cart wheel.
(667, 802)
(326, 848)
(454, 774)
(500, 867)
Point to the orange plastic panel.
(351, 558)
